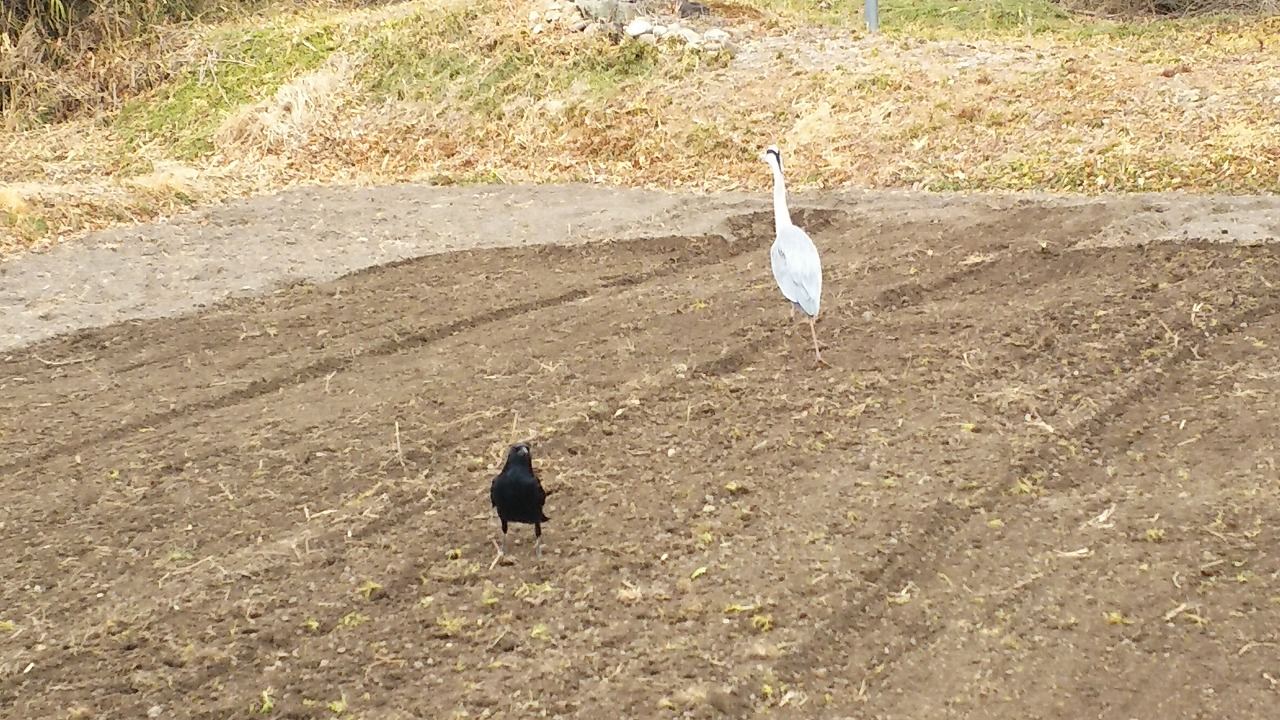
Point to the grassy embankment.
(1003, 94)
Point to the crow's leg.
(537, 539)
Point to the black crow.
(518, 496)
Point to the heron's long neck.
(781, 217)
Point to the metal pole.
(873, 15)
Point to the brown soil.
(1039, 480)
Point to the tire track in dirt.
(1078, 227)
(924, 545)
(1142, 386)
(253, 563)
(402, 343)
(921, 548)
(940, 514)
(754, 230)
(942, 518)
(749, 231)
(1044, 462)
(404, 501)
(742, 242)
(756, 226)
(689, 257)
(250, 627)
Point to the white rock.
(537, 29)
(712, 45)
(689, 36)
(659, 30)
(534, 17)
(716, 35)
(581, 26)
(639, 27)
(551, 16)
(647, 39)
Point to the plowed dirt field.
(1038, 480)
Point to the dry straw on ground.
(289, 117)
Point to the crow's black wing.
(495, 489)
(540, 497)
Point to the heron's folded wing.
(798, 269)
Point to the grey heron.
(796, 265)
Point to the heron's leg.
(813, 330)
(793, 311)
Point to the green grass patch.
(24, 226)
(817, 12)
(245, 67)
(416, 57)
(973, 18)
(1220, 172)
(956, 18)
(977, 19)
(449, 57)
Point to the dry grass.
(449, 93)
(1128, 8)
